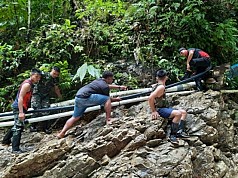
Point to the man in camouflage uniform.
(41, 95)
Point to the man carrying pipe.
(20, 106)
(95, 93)
(197, 61)
(178, 116)
(41, 96)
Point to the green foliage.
(232, 83)
(98, 18)
(83, 70)
(13, 16)
(9, 60)
(225, 36)
(98, 32)
(54, 43)
(124, 79)
(99, 10)
(18, 23)
(9, 91)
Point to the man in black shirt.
(95, 93)
(197, 60)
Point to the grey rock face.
(135, 145)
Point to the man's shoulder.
(159, 88)
(26, 86)
(45, 77)
(99, 81)
(27, 82)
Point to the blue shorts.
(165, 112)
(81, 104)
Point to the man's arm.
(190, 55)
(157, 93)
(26, 87)
(115, 99)
(120, 87)
(57, 91)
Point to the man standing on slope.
(41, 95)
(20, 107)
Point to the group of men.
(34, 92)
(97, 93)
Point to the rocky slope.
(135, 145)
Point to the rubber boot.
(7, 138)
(33, 128)
(181, 133)
(199, 84)
(174, 129)
(46, 127)
(16, 142)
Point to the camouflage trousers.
(14, 134)
(39, 102)
(16, 130)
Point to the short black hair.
(181, 49)
(36, 71)
(162, 73)
(107, 74)
(57, 69)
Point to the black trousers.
(200, 65)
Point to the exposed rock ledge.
(136, 146)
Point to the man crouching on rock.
(95, 93)
(178, 116)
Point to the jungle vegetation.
(82, 36)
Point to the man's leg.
(7, 138)
(108, 108)
(79, 109)
(200, 65)
(176, 117)
(181, 130)
(33, 127)
(199, 84)
(67, 126)
(35, 104)
(16, 138)
(45, 103)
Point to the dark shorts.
(165, 112)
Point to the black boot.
(46, 127)
(172, 138)
(181, 133)
(16, 143)
(33, 128)
(199, 85)
(7, 138)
